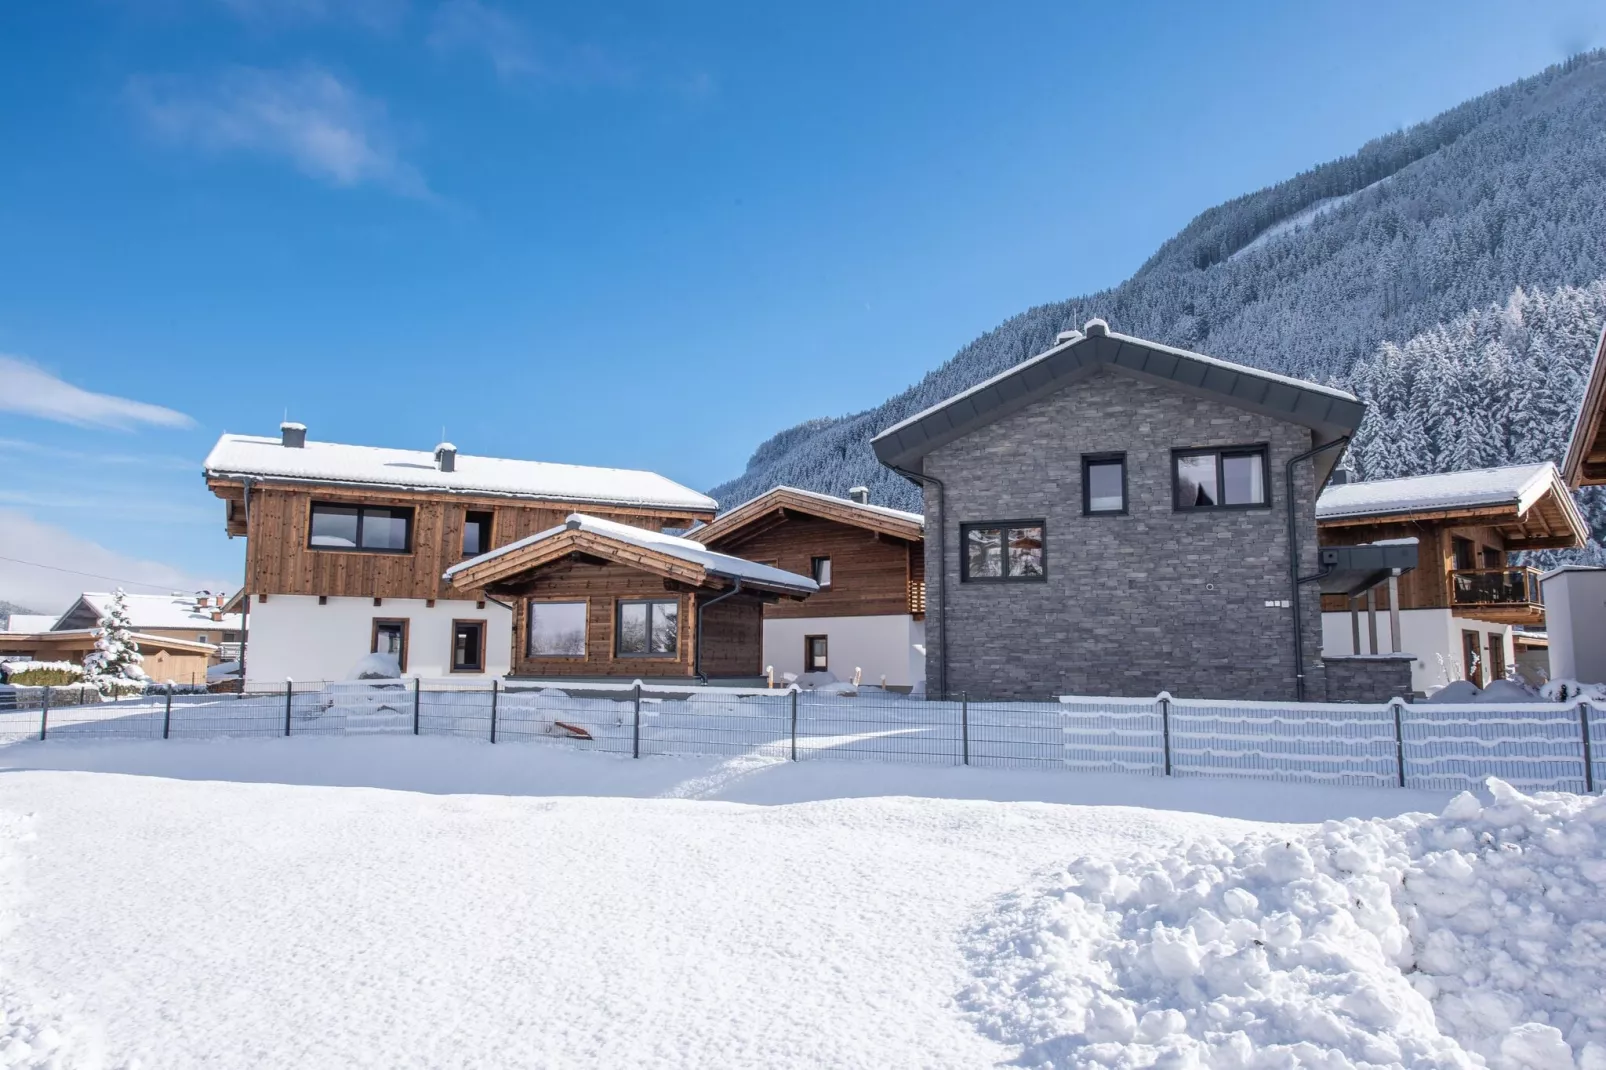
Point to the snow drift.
(1477, 937)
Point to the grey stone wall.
(1373, 678)
(1152, 600)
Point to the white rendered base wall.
(1575, 618)
(1432, 635)
(293, 637)
(891, 646)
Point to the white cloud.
(51, 589)
(28, 389)
(326, 128)
(147, 461)
(473, 27)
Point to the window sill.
(357, 550)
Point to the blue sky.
(639, 234)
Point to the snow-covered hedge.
(40, 673)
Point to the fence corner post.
(494, 683)
(418, 684)
(289, 697)
(1399, 738)
(167, 713)
(635, 725)
(1164, 702)
(1589, 756)
(44, 715)
(964, 723)
(794, 724)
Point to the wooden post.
(493, 709)
(635, 728)
(1399, 740)
(417, 684)
(1589, 757)
(289, 696)
(167, 714)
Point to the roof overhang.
(758, 514)
(1585, 464)
(79, 636)
(1353, 570)
(1328, 412)
(1543, 516)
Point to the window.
(1463, 551)
(476, 533)
(1103, 483)
(1006, 550)
(1220, 479)
(202, 639)
(1492, 558)
(647, 629)
(376, 528)
(390, 637)
(468, 646)
(555, 629)
(820, 569)
(815, 653)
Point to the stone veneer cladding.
(1135, 604)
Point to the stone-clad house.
(1109, 518)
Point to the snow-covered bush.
(114, 666)
(40, 673)
(377, 667)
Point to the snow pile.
(1474, 938)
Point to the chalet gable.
(779, 504)
(1585, 464)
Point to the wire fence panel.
(885, 728)
(601, 723)
(703, 724)
(1534, 747)
(1594, 726)
(1112, 735)
(1331, 742)
(1016, 735)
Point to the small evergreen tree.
(114, 664)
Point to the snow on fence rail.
(1535, 746)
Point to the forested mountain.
(1313, 276)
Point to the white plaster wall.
(1432, 635)
(880, 645)
(1575, 618)
(293, 637)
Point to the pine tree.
(114, 664)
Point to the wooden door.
(1472, 656)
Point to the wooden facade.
(1585, 463)
(165, 658)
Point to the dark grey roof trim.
(1323, 409)
(1352, 570)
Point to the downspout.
(245, 595)
(697, 655)
(1295, 580)
(942, 577)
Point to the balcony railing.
(1495, 586)
(917, 597)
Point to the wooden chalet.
(597, 599)
(1585, 464)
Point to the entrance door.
(1472, 656)
(1497, 658)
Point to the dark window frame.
(808, 653)
(814, 570)
(362, 509)
(484, 627)
(406, 629)
(585, 638)
(1004, 525)
(487, 519)
(1221, 453)
(1088, 461)
(618, 629)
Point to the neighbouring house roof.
(256, 457)
(1326, 410)
(1585, 463)
(673, 556)
(1529, 500)
(177, 611)
(85, 637)
(745, 517)
(29, 622)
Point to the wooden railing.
(917, 597)
(1495, 586)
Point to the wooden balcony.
(1501, 595)
(917, 598)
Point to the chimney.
(860, 494)
(1095, 328)
(446, 457)
(1067, 336)
(1340, 476)
(217, 614)
(293, 436)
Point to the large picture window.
(648, 629)
(555, 630)
(376, 528)
(1232, 478)
(1002, 551)
(1103, 483)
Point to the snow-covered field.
(331, 902)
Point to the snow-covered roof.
(29, 622)
(899, 514)
(159, 611)
(875, 517)
(685, 549)
(238, 456)
(1519, 485)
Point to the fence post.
(44, 715)
(964, 723)
(417, 684)
(794, 724)
(167, 714)
(635, 726)
(493, 709)
(1399, 740)
(289, 694)
(1164, 700)
(1589, 757)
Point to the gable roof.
(1585, 463)
(29, 622)
(151, 611)
(878, 518)
(671, 556)
(1325, 409)
(258, 457)
(1530, 498)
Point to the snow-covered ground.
(332, 902)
